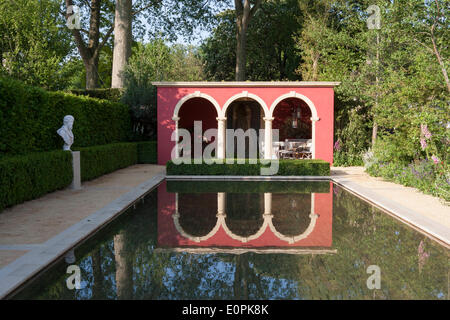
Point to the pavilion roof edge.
(250, 84)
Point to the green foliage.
(286, 168)
(99, 160)
(110, 94)
(425, 175)
(155, 61)
(29, 118)
(271, 53)
(147, 152)
(33, 43)
(30, 176)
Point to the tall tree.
(122, 41)
(244, 13)
(90, 47)
(271, 52)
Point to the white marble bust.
(66, 132)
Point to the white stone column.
(177, 151)
(221, 127)
(268, 148)
(76, 181)
(313, 138)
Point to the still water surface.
(251, 240)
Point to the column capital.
(268, 119)
(315, 118)
(175, 118)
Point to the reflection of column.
(221, 126)
(221, 203)
(313, 129)
(267, 203)
(177, 152)
(268, 150)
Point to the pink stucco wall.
(321, 97)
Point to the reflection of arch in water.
(201, 221)
(267, 222)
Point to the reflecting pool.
(251, 240)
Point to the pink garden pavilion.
(299, 110)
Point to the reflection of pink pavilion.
(318, 233)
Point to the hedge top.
(30, 116)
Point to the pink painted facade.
(172, 97)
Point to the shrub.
(248, 186)
(425, 175)
(110, 94)
(30, 116)
(286, 168)
(147, 152)
(30, 176)
(99, 160)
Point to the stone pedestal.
(76, 181)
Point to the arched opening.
(291, 213)
(292, 117)
(197, 221)
(197, 109)
(244, 213)
(245, 113)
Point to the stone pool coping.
(13, 275)
(248, 178)
(40, 256)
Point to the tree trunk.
(439, 58)
(91, 67)
(377, 82)
(122, 41)
(243, 16)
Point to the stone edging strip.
(411, 217)
(17, 272)
(250, 178)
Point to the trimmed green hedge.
(147, 152)
(248, 186)
(30, 116)
(26, 177)
(111, 94)
(286, 168)
(30, 176)
(99, 160)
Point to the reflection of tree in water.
(172, 275)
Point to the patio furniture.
(297, 149)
